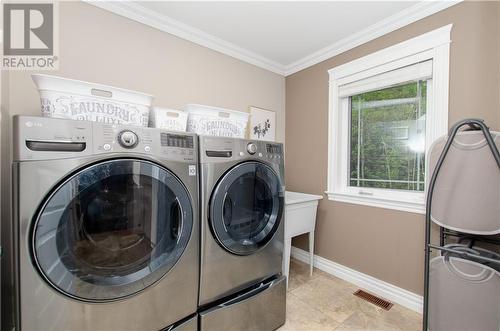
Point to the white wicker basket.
(79, 100)
(169, 119)
(216, 121)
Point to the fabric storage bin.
(169, 119)
(472, 247)
(463, 294)
(467, 191)
(214, 121)
(79, 100)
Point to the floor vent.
(373, 299)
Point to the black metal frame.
(473, 124)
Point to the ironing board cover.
(467, 190)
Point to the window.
(387, 138)
(386, 109)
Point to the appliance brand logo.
(30, 124)
(29, 36)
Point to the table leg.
(286, 258)
(311, 251)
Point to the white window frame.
(435, 46)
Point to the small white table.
(300, 218)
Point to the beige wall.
(98, 46)
(383, 243)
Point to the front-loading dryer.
(242, 203)
(105, 227)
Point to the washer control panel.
(274, 151)
(155, 142)
(43, 138)
(251, 148)
(176, 140)
(128, 139)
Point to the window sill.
(407, 206)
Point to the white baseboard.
(388, 291)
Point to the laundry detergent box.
(85, 101)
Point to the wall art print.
(262, 124)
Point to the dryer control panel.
(221, 149)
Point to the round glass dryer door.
(246, 207)
(112, 229)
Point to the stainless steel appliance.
(105, 229)
(242, 203)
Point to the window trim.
(435, 46)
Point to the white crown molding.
(387, 25)
(386, 290)
(136, 12)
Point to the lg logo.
(28, 29)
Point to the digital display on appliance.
(176, 140)
(273, 149)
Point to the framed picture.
(262, 124)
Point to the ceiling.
(283, 37)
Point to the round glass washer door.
(112, 229)
(246, 208)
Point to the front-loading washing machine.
(242, 203)
(105, 233)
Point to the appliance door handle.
(227, 211)
(249, 294)
(176, 210)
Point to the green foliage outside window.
(388, 137)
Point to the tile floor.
(323, 302)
